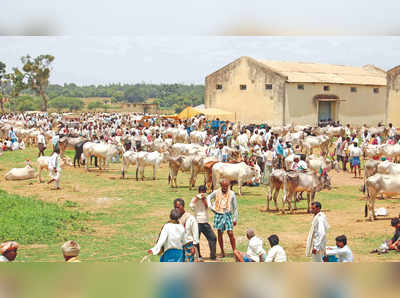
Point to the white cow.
(239, 172)
(186, 149)
(180, 163)
(21, 173)
(128, 158)
(388, 185)
(102, 151)
(311, 142)
(198, 137)
(390, 151)
(153, 159)
(371, 150)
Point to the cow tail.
(169, 178)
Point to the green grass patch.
(29, 221)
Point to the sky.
(187, 59)
(205, 17)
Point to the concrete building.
(149, 107)
(393, 90)
(300, 93)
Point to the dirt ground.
(104, 191)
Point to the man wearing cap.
(70, 250)
(8, 251)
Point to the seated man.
(8, 251)
(71, 250)
(341, 252)
(394, 243)
(302, 165)
(276, 253)
(255, 251)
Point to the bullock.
(69, 143)
(183, 163)
(202, 164)
(185, 149)
(373, 151)
(101, 151)
(21, 173)
(380, 184)
(159, 145)
(78, 152)
(301, 128)
(379, 131)
(391, 151)
(311, 142)
(294, 138)
(239, 172)
(153, 159)
(281, 130)
(128, 158)
(43, 163)
(198, 137)
(292, 183)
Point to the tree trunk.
(44, 103)
(2, 105)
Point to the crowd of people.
(179, 239)
(70, 251)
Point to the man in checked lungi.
(224, 205)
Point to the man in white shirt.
(41, 141)
(355, 154)
(276, 253)
(316, 240)
(171, 240)
(55, 168)
(200, 207)
(341, 250)
(190, 251)
(255, 251)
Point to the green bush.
(29, 221)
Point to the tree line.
(29, 88)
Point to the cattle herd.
(215, 150)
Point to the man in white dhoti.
(316, 240)
(55, 168)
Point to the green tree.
(37, 71)
(28, 103)
(3, 85)
(95, 105)
(16, 78)
(66, 103)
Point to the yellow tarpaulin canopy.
(188, 112)
(210, 113)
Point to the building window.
(376, 90)
(219, 86)
(243, 87)
(326, 88)
(268, 86)
(353, 89)
(300, 87)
